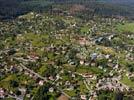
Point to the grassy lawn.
(127, 81)
(69, 67)
(42, 70)
(65, 78)
(5, 83)
(83, 88)
(22, 79)
(128, 27)
(89, 69)
(84, 29)
(9, 99)
(70, 93)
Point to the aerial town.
(63, 56)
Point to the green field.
(127, 81)
(128, 27)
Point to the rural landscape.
(66, 50)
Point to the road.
(43, 78)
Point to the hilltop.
(11, 9)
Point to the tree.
(18, 92)
(14, 83)
(43, 93)
(130, 67)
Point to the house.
(80, 56)
(28, 95)
(93, 64)
(57, 76)
(82, 62)
(51, 78)
(82, 40)
(83, 97)
(41, 82)
(110, 60)
(71, 87)
(33, 57)
(2, 93)
(87, 75)
(116, 66)
(51, 89)
(110, 65)
(73, 75)
(98, 40)
(71, 62)
(26, 72)
(35, 77)
(2, 73)
(13, 69)
(100, 67)
(31, 75)
(22, 90)
(107, 56)
(67, 83)
(93, 56)
(87, 63)
(111, 37)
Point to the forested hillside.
(13, 8)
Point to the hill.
(11, 9)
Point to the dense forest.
(13, 8)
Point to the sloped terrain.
(48, 56)
(11, 9)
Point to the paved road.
(43, 78)
(15, 97)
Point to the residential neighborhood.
(62, 56)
